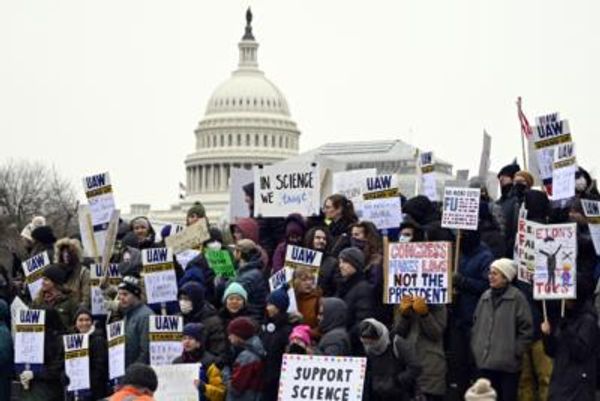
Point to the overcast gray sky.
(120, 85)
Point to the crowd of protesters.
(491, 342)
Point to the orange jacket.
(130, 393)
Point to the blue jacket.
(250, 276)
(137, 322)
(474, 269)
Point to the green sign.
(220, 262)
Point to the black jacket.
(329, 276)
(359, 296)
(274, 336)
(250, 276)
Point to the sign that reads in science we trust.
(287, 188)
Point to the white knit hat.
(506, 267)
(481, 391)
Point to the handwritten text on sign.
(165, 339)
(160, 280)
(77, 361)
(115, 333)
(29, 337)
(461, 208)
(419, 269)
(96, 276)
(34, 268)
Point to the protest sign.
(220, 262)
(555, 261)
(591, 209)
(298, 256)
(34, 268)
(525, 248)
(158, 271)
(461, 208)
(382, 201)
(549, 132)
(312, 377)
(563, 171)
(16, 305)
(282, 277)
(427, 170)
(97, 275)
(419, 269)
(29, 336)
(351, 184)
(287, 188)
(99, 193)
(86, 228)
(237, 204)
(485, 160)
(77, 361)
(176, 382)
(115, 333)
(165, 339)
(185, 257)
(110, 237)
(191, 237)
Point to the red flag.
(525, 127)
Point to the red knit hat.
(242, 327)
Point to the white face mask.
(215, 246)
(405, 238)
(580, 184)
(185, 306)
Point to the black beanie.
(44, 235)
(132, 285)
(141, 376)
(56, 273)
(509, 170)
(355, 257)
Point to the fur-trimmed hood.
(74, 247)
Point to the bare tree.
(31, 188)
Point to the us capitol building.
(248, 122)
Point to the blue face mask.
(405, 238)
(358, 243)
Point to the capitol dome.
(247, 122)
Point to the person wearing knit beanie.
(195, 213)
(195, 331)
(524, 177)
(481, 391)
(506, 267)
(241, 327)
(301, 334)
(280, 300)
(55, 273)
(132, 285)
(44, 235)
(351, 258)
(505, 178)
(235, 289)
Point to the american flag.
(525, 127)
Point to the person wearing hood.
(308, 296)
(392, 365)
(424, 213)
(235, 299)
(141, 235)
(318, 239)
(498, 354)
(470, 282)
(198, 271)
(250, 276)
(274, 336)
(522, 183)
(42, 240)
(136, 314)
(356, 291)
(340, 215)
(53, 294)
(6, 353)
(247, 228)
(410, 231)
(572, 342)
(69, 254)
(195, 309)
(295, 227)
(246, 383)
(333, 317)
(210, 379)
(584, 184)
(46, 382)
(423, 326)
(98, 355)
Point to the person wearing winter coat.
(98, 355)
(572, 342)
(423, 326)
(235, 299)
(424, 212)
(42, 240)
(54, 295)
(498, 352)
(522, 183)
(247, 371)
(45, 382)
(69, 254)
(274, 336)
(247, 228)
(308, 297)
(392, 365)
(198, 270)
(141, 235)
(295, 228)
(250, 276)
(357, 293)
(333, 318)
(339, 212)
(136, 316)
(318, 238)
(195, 309)
(138, 384)
(6, 353)
(300, 342)
(210, 379)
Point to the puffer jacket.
(247, 372)
(250, 276)
(335, 340)
(274, 336)
(78, 276)
(502, 330)
(358, 294)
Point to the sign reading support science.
(115, 333)
(287, 188)
(381, 203)
(555, 261)
(34, 268)
(160, 280)
(419, 269)
(461, 208)
(29, 337)
(312, 377)
(165, 339)
(77, 361)
(96, 277)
